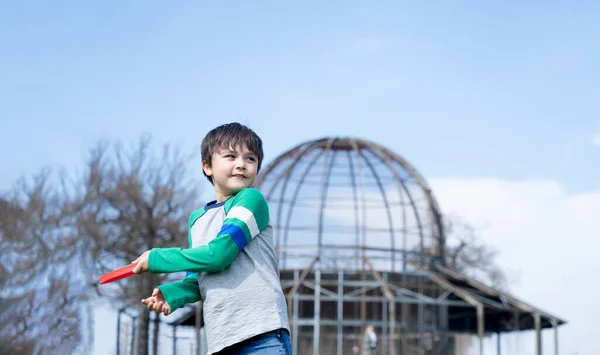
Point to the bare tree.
(57, 235)
(40, 300)
(466, 252)
(132, 200)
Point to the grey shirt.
(246, 298)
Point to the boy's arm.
(246, 218)
(178, 294)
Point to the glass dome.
(341, 199)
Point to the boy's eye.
(252, 158)
(229, 156)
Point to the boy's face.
(231, 170)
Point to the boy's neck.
(222, 197)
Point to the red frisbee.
(117, 274)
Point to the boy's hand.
(157, 302)
(142, 263)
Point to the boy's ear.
(207, 169)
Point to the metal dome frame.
(328, 146)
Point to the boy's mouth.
(239, 176)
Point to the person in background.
(369, 341)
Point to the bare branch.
(466, 252)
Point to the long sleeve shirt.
(232, 268)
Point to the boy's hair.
(229, 136)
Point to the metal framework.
(360, 240)
(350, 192)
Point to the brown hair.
(227, 136)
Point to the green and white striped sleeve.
(246, 215)
(178, 294)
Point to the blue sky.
(461, 90)
(506, 90)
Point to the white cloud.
(596, 139)
(549, 236)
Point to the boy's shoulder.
(250, 200)
(195, 215)
(249, 191)
(247, 196)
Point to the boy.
(231, 264)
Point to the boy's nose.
(239, 163)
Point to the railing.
(349, 258)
